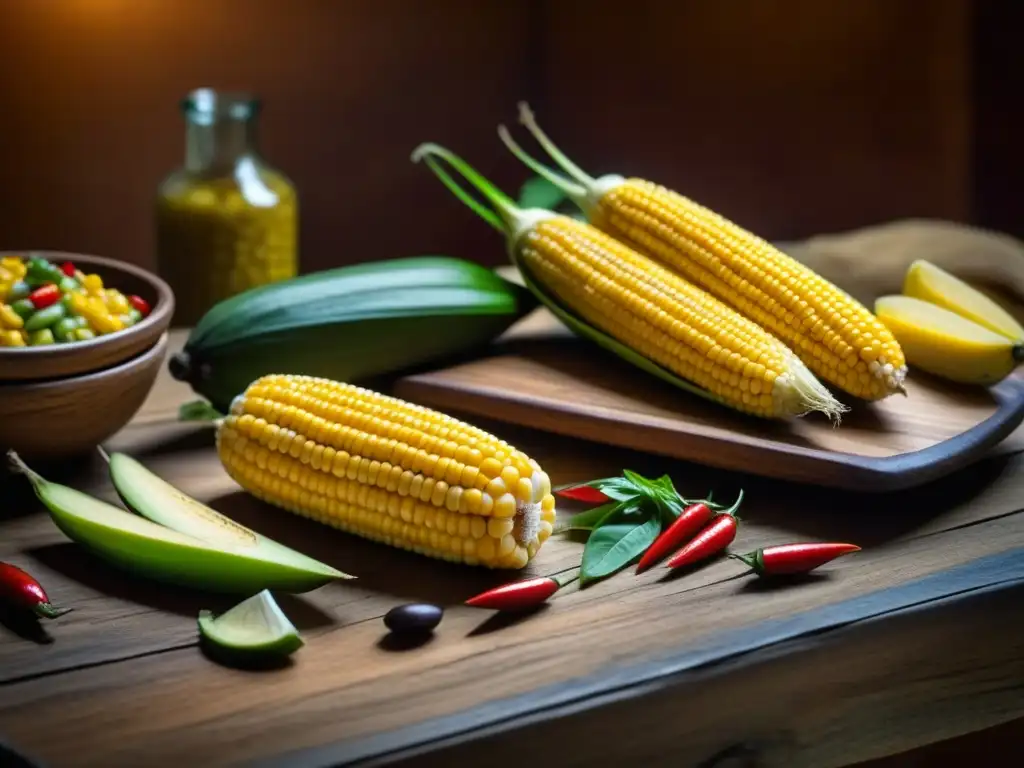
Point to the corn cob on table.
(722, 664)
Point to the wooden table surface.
(917, 638)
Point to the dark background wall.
(793, 117)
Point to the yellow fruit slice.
(933, 284)
(945, 344)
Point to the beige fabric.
(872, 261)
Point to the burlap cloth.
(872, 261)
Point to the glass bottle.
(227, 221)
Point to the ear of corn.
(387, 470)
(604, 285)
(838, 338)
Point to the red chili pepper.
(710, 541)
(140, 304)
(794, 558)
(684, 528)
(584, 493)
(68, 268)
(43, 297)
(22, 590)
(520, 595)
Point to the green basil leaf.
(639, 480)
(620, 494)
(631, 511)
(671, 508)
(654, 492)
(587, 521)
(626, 511)
(615, 487)
(613, 546)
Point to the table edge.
(937, 591)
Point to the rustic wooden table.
(919, 637)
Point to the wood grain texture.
(543, 377)
(25, 364)
(348, 681)
(186, 458)
(1006, 739)
(799, 706)
(67, 417)
(126, 662)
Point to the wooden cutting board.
(540, 375)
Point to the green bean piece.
(131, 317)
(84, 334)
(40, 337)
(40, 273)
(44, 318)
(23, 308)
(65, 329)
(68, 284)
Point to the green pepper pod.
(131, 317)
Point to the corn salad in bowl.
(45, 303)
(67, 314)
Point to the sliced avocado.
(143, 547)
(154, 498)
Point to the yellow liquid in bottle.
(218, 237)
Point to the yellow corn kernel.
(116, 302)
(10, 319)
(93, 284)
(670, 321)
(5, 291)
(14, 266)
(381, 468)
(836, 337)
(12, 339)
(711, 349)
(96, 314)
(77, 302)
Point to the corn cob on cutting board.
(540, 375)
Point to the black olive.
(414, 617)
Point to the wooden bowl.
(62, 418)
(57, 361)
